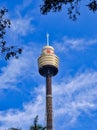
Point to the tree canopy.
(14, 128)
(9, 51)
(72, 6)
(37, 126)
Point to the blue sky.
(22, 89)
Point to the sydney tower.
(48, 67)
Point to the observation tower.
(48, 66)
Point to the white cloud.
(71, 99)
(72, 43)
(22, 26)
(22, 22)
(24, 118)
(75, 97)
(17, 69)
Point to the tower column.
(49, 119)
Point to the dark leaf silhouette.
(37, 126)
(72, 6)
(14, 129)
(8, 51)
(93, 6)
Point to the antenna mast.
(47, 35)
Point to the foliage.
(14, 129)
(71, 5)
(36, 126)
(5, 23)
(93, 5)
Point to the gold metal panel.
(48, 60)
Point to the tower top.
(48, 62)
(47, 36)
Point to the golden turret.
(48, 62)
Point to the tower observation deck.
(48, 66)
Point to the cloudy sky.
(22, 89)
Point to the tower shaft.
(49, 119)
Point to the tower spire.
(48, 64)
(47, 36)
